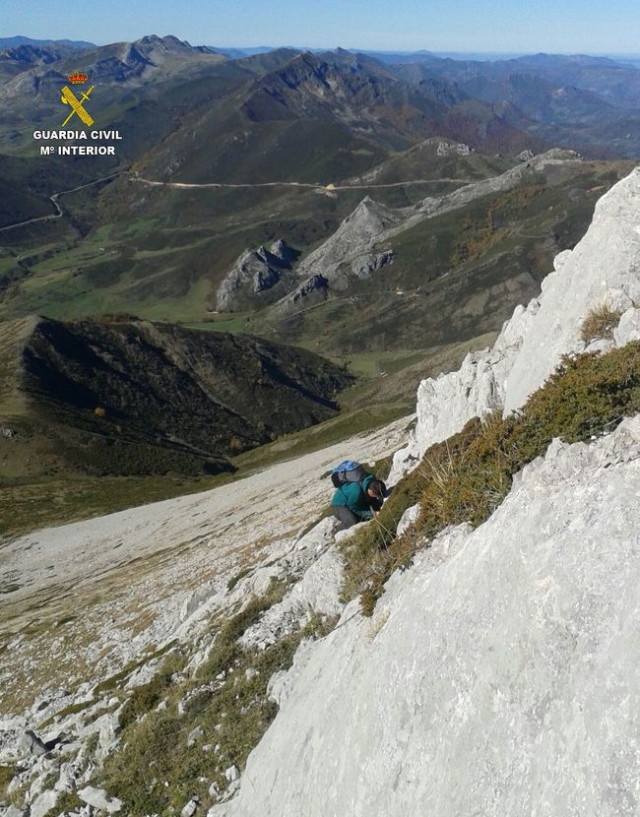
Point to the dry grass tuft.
(599, 323)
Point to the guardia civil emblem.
(77, 106)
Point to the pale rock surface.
(628, 329)
(11, 811)
(69, 774)
(232, 774)
(604, 268)
(445, 404)
(31, 744)
(499, 676)
(99, 799)
(43, 803)
(342, 535)
(446, 148)
(408, 518)
(354, 238)
(190, 808)
(282, 683)
(318, 591)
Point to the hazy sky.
(507, 26)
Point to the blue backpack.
(347, 471)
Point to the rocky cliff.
(603, 271)
(497, 675)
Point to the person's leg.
(344, 515)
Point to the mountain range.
(126, 397)
(377, 213)
(346, 125)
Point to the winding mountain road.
(327, 188)
(54, 200)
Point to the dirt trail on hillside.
(318, 186)
(104, 591)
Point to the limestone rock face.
(498, 676)
(445, 404)
(604, 268)
(357, 235)
(255, 272)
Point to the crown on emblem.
(77, 79)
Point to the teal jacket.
(353, 495)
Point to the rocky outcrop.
(363, 243)
(446, 148)
(498, 676)
(316, 285)
(604, 268)
(354, 238)
(255, 272)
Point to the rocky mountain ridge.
(363, 243)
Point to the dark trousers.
(344, 515)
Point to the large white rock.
(43, 803)
(100, 800)
(445, 404)
(499, 676)
(604, 268)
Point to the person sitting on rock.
(355, 502)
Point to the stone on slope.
(99, 799)
(12, 811)
(254, 272)
(408, 518)
(501, 677)
(31, 743)
(317, 591)
(43, 803)
(189, 809)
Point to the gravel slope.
(94, 595)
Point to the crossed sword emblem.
(69, 98)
